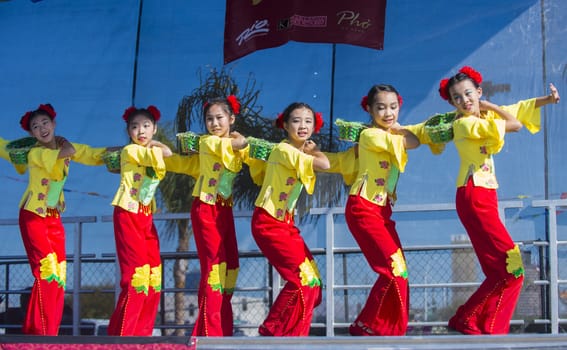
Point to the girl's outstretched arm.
(512, 124)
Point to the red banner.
(252, 25)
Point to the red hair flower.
(400, 101)
(128, 112)
(318, 122)
(25, 121)
(234, 104)
(364, 103)
(443, 89)
(154, 112)
(47, 108)
(473, 74)
(279, 121)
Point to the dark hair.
(292, 107)
(221, 101)
(457, 78)
(380, 88)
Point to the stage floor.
(539, 341)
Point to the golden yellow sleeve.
(256, 167)
(87, 155)
(181, 164)
(344, 163)
(378, 140)
(148, 157)
(47, 159)
(526, 113)
(492, 130)
(222, 148)
(419, 131)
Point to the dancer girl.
(137, 243)
(381, 157)
(43, 202)
(290, 167)
(212, 218)
(479, 132)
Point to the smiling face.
(141, 129)
(465, 96)
(218, 121)
(299, 126)
(384, 110)
(42, 127)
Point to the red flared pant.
(44, 241)
(386, 310)
(489, 310)
(283, 246)
(137, 249)
(215, 238)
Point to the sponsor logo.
(308, 21)
(260, 27)
(351, 20)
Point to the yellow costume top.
(476, 140)
(48, 174)
(141, 169)
(288, 170)
(381, 157)
(218, 166)
(20, 168)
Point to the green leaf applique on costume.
(48, 268)
(309, 274)
(514, 263)
(141, 279)
(399, 268)
(217, 277)
(155, 278)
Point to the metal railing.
(331, 256)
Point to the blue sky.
(79, 55)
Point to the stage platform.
(446, 342)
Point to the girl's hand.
(238, 141)
(485, 105)
(65, 147)
(60, 140)
(310, 147)
(554, 95)
(396, 128)
(166, 151)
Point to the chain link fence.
(441, 278)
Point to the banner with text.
(252, 25)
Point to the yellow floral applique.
(309, 273)
(48, 268)
(217, 277)
(514, 263)
(399, 268)
(62, 274)
(155, 278)
(141, 279)
(231, 276)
